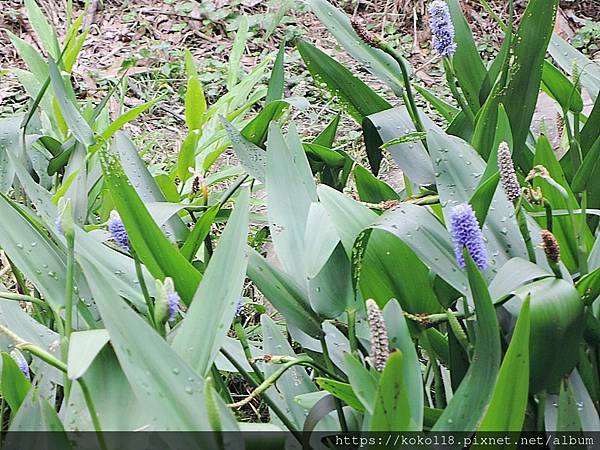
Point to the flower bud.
(64, 219)
(379, 339)
(550, 246)
(508, 177)
(18, 357)
(118, 231)
(362, 32)
(166, 302)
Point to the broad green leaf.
(294, 381)
(570, 60)
(421, 230)
(276, 82)
(589, 132)
(349, 216)
(375, 61)
(509, 401)
(42, 28)
(370, 189)
(326, 137)
(400, 338)
(561, 89)
(251, 156)
(217, 296)
(14, 384)
(289, 182)
(391, 409)
(363, 382)
(358, 98)
(144, 183)
(31, 56)
(381, 279)
(411, 157)
(33, 253)
(283, 293)
(503, 134)
(514, 274)
(469, 403)
(520, 97)
(156, 252)
(448, 111)
(343, 391)
(482, 197)
(195, 104)
(77, 124)
(556, 329)
(149, 363)
(84, 346)
(457, 178)
(257, 129)
(36, 414)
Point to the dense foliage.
(464, 302)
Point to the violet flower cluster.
(467, 234)
(442, 28)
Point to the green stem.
(89, 401)
(352, 330)
(241, 334)
(278, 412)
(330, 367)
(142, 281)
(412, 105)
(19, 278)
(524, 229)
(451, 79)
(23, 298)
(68, 307)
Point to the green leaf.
(149, 363)
(84, 346)
(359, 99)
(276, 82)
(343, 391)
(400, 338)
(235, 57)
(520, 97)
(411, 157)
(457, 178)
(391, 411)
(199, 232)
(469, 68)
(252, 158)
(156, 252)
(448, 111)
(15, 385)
(289, 181)
(568, 414)
(568, 57)
(375, 61)
(556, 329)
(503, 134)
(33, 253)
(482, 197)
(561, 89)
(124, 119)
(283, 293)
(506, 411)
(421, 230)
(326, 137)
(218, 294)
(469, 403)
(370, 189)
(77, 124)
(42, 28)
(380, 279)
(195, 104)
(363, 382)
(36, 414)
(31, 56)
(589, 132)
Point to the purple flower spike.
(442, 28)
(118, 231)
(173, 301)
(467, 234)
(21, 363)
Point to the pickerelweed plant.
(464, 302)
